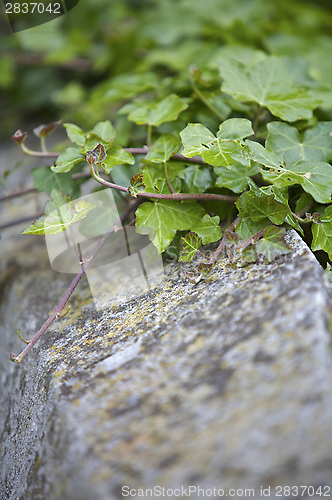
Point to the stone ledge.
(224, 384)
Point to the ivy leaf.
(217, 151)
(322, 233)
(127, 86)
(164, 147)
(247, 228)
(230, 238)
(155, 114)
(196, 179)
(281, 195)
(96, 156)
(234, 178)
(304, 202)
(75, 133)
(189, 246)
(272, 243)
(235, 128)
(44, 180)
(208, 229)
(314, 177)
(155, 180)
(268, 84)
(67, 160)
(194, 138)
(136, 185)
(260, 207)
(59, 214)
(19, 137)
(117, 156)
(257, 205)
(263, 156)
(162, 219)
(44, 130)
(204, 268)
(104, 130)
(249, 254)
(316, 144)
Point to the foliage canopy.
(232, 98)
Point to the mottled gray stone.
(226, 384)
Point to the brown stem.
(250, 240)
(168, 181)
(134, 151)
(157, 196)
(15, 194)
(223, 241)
(20, 221)
(57, 311)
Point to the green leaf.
(260, 207)
(234, 178)
(304, 202)
(217, 151)
(196, 179)
(235, 128)
(281, 195)
(75, 133)
(155, 179)
(189, 246)
(257, 204)
(263, 156)
(322, 233)
(314, 177)
(117, 156)
(272, 243)
(162, 219)
(268, 84)
(247, 228)
(67, 160)
(194, 138)
(208, 229)
(59, 214)
(316, 144)
(104, 130)
(164, 147)
(127, 86)
(44, 180)
(166, 110)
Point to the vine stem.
(40, 154)
(20, 221)
(223, 241)
(134, 151)
(303, 221)
(168, 181)
(57, 311)
(22, 192)
(176, 196)
(15, 194)
(43, 144)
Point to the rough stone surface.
(226, 384)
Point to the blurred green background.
(86, 65)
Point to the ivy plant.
(212, 143)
